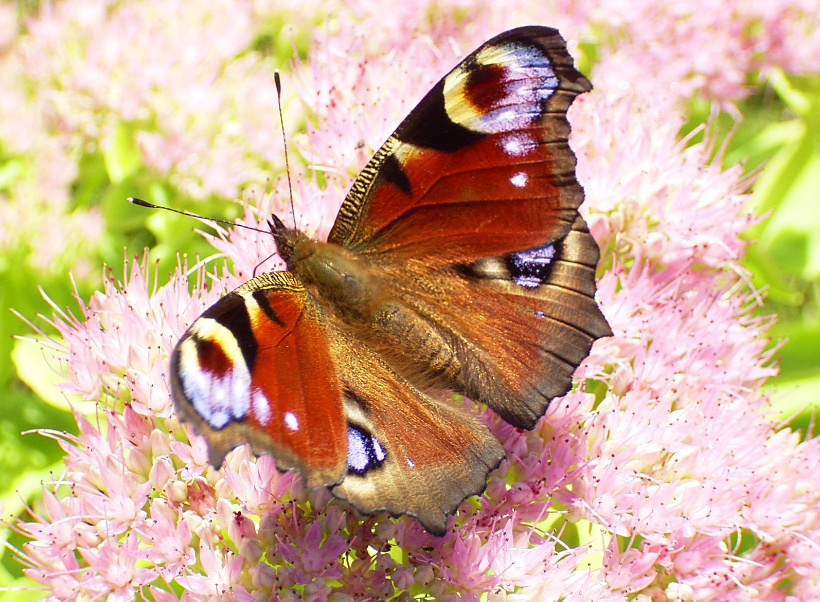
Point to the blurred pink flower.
(672, 50)
(659, 478)
(200, 102)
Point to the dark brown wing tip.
(556, 46)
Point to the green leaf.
(791, 185)
(21, 589)
(38, 367)
(92, 181)
(28, 487)
(796, 96)
(768, 140)
(10, 172)
(23, 452)
(795, 397)
(799, 356)
(596, 538)
(121, 153)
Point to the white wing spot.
(525, 92)
(517, 144)
(544, 93)
(356, 452)
(519, 180)
(379, 449)
(506, 116)
(291, 421)
(261, 407)
(512, 147)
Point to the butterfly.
(458, 264)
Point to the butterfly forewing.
(469, 212)
(257, 368)
(482, 165)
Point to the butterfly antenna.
(278, 81)
(141, 203)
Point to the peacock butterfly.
(457, 263)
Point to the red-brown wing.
(408, 452)
(256, 368)
(482, 165)
(508, 331)
(463, 218)
(259, 367)
(520, 324)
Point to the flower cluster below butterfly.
(458, 263)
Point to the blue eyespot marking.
(531, 268)
(364, 452)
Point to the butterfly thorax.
(334, 275)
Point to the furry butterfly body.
(458, 262)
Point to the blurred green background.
(774, 132)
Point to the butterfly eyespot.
(364, 452)
(531, 268)
(212, 374)
(503, 89)
(212, 356)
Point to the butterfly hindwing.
(409, 452)
(517, 358)
(508, 331)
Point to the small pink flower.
(630, 572)
(169, 537)
(116, 568)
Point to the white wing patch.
(517, 144)
(519, 180)
(261, 407)
(217, 398)
(291, 421)
(527, 80)
(364, 451)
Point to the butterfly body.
(458, 262)
(333, 275)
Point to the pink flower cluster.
(659, 478)
(675, 49)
